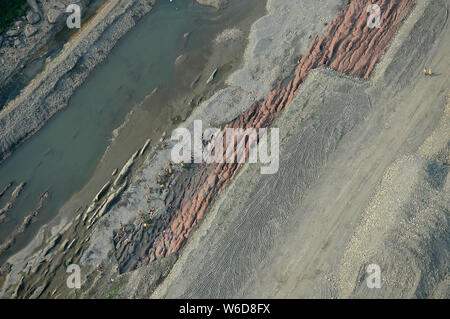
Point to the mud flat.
(213, 3)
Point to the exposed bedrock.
(5, 245)
(5, 189)
(349, 46)
(14, 196)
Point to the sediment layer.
(285, 235)
(14, 196)
(335, 49)
(349, 46)
(5, 245)
(213, 3)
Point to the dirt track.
(362, 179)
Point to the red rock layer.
(348, 46)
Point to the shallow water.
(63, 156)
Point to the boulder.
(213, 3)
(102, 192)
(61, 4)
(30, 30)
(18, 24)
(17, 43)
(6, 268)
(13, 32)
(212, 77)
(33, 17)
(33, 5)
(144, 148)
(53, 15)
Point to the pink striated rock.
(348, 46)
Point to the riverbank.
(363, 180)
(30, 36)
(194, 67)
(51, 90)
(152, 252)
(260, 57)
(135, 251)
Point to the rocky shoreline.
(13, 198)
(18, 46)
(336, 49)
(52, 233)
(51, 90)
(29, 34)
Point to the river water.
(65, 153)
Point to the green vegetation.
(9, 11)
(112, 294)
